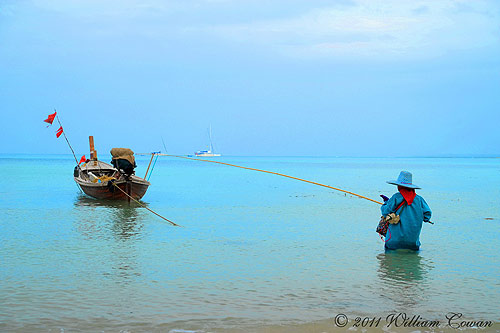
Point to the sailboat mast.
(210, 137)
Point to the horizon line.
(304, 156)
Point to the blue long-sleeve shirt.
(406, 234)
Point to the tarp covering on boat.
(123, 154)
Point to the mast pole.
(210, 137)
(65, 137)
(93, 152)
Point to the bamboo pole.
(276, 173)
(152, 155)
(136, 201)
(66, 138)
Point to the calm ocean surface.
(256, 252)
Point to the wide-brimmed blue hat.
(404, 179)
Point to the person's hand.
(384, 197)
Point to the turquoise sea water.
(256, 252)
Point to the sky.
(272, 78)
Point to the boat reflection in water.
(126, 219)
(116, 228)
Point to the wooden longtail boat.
(100, 180)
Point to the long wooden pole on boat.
(93, 152)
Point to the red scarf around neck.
(407, 193)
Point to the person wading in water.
(412, 210)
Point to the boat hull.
(206, 155)
(94, 179)
(103, 191)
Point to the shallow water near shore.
(256, 252)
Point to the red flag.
(50, 118)
(83, 159)
(59, 131)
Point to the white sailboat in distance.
(210, 149)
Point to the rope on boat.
(174, 224)
(275, 173)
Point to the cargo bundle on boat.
(111, 181)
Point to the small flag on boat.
(59, 131)
(83, 159)
(50, 118)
